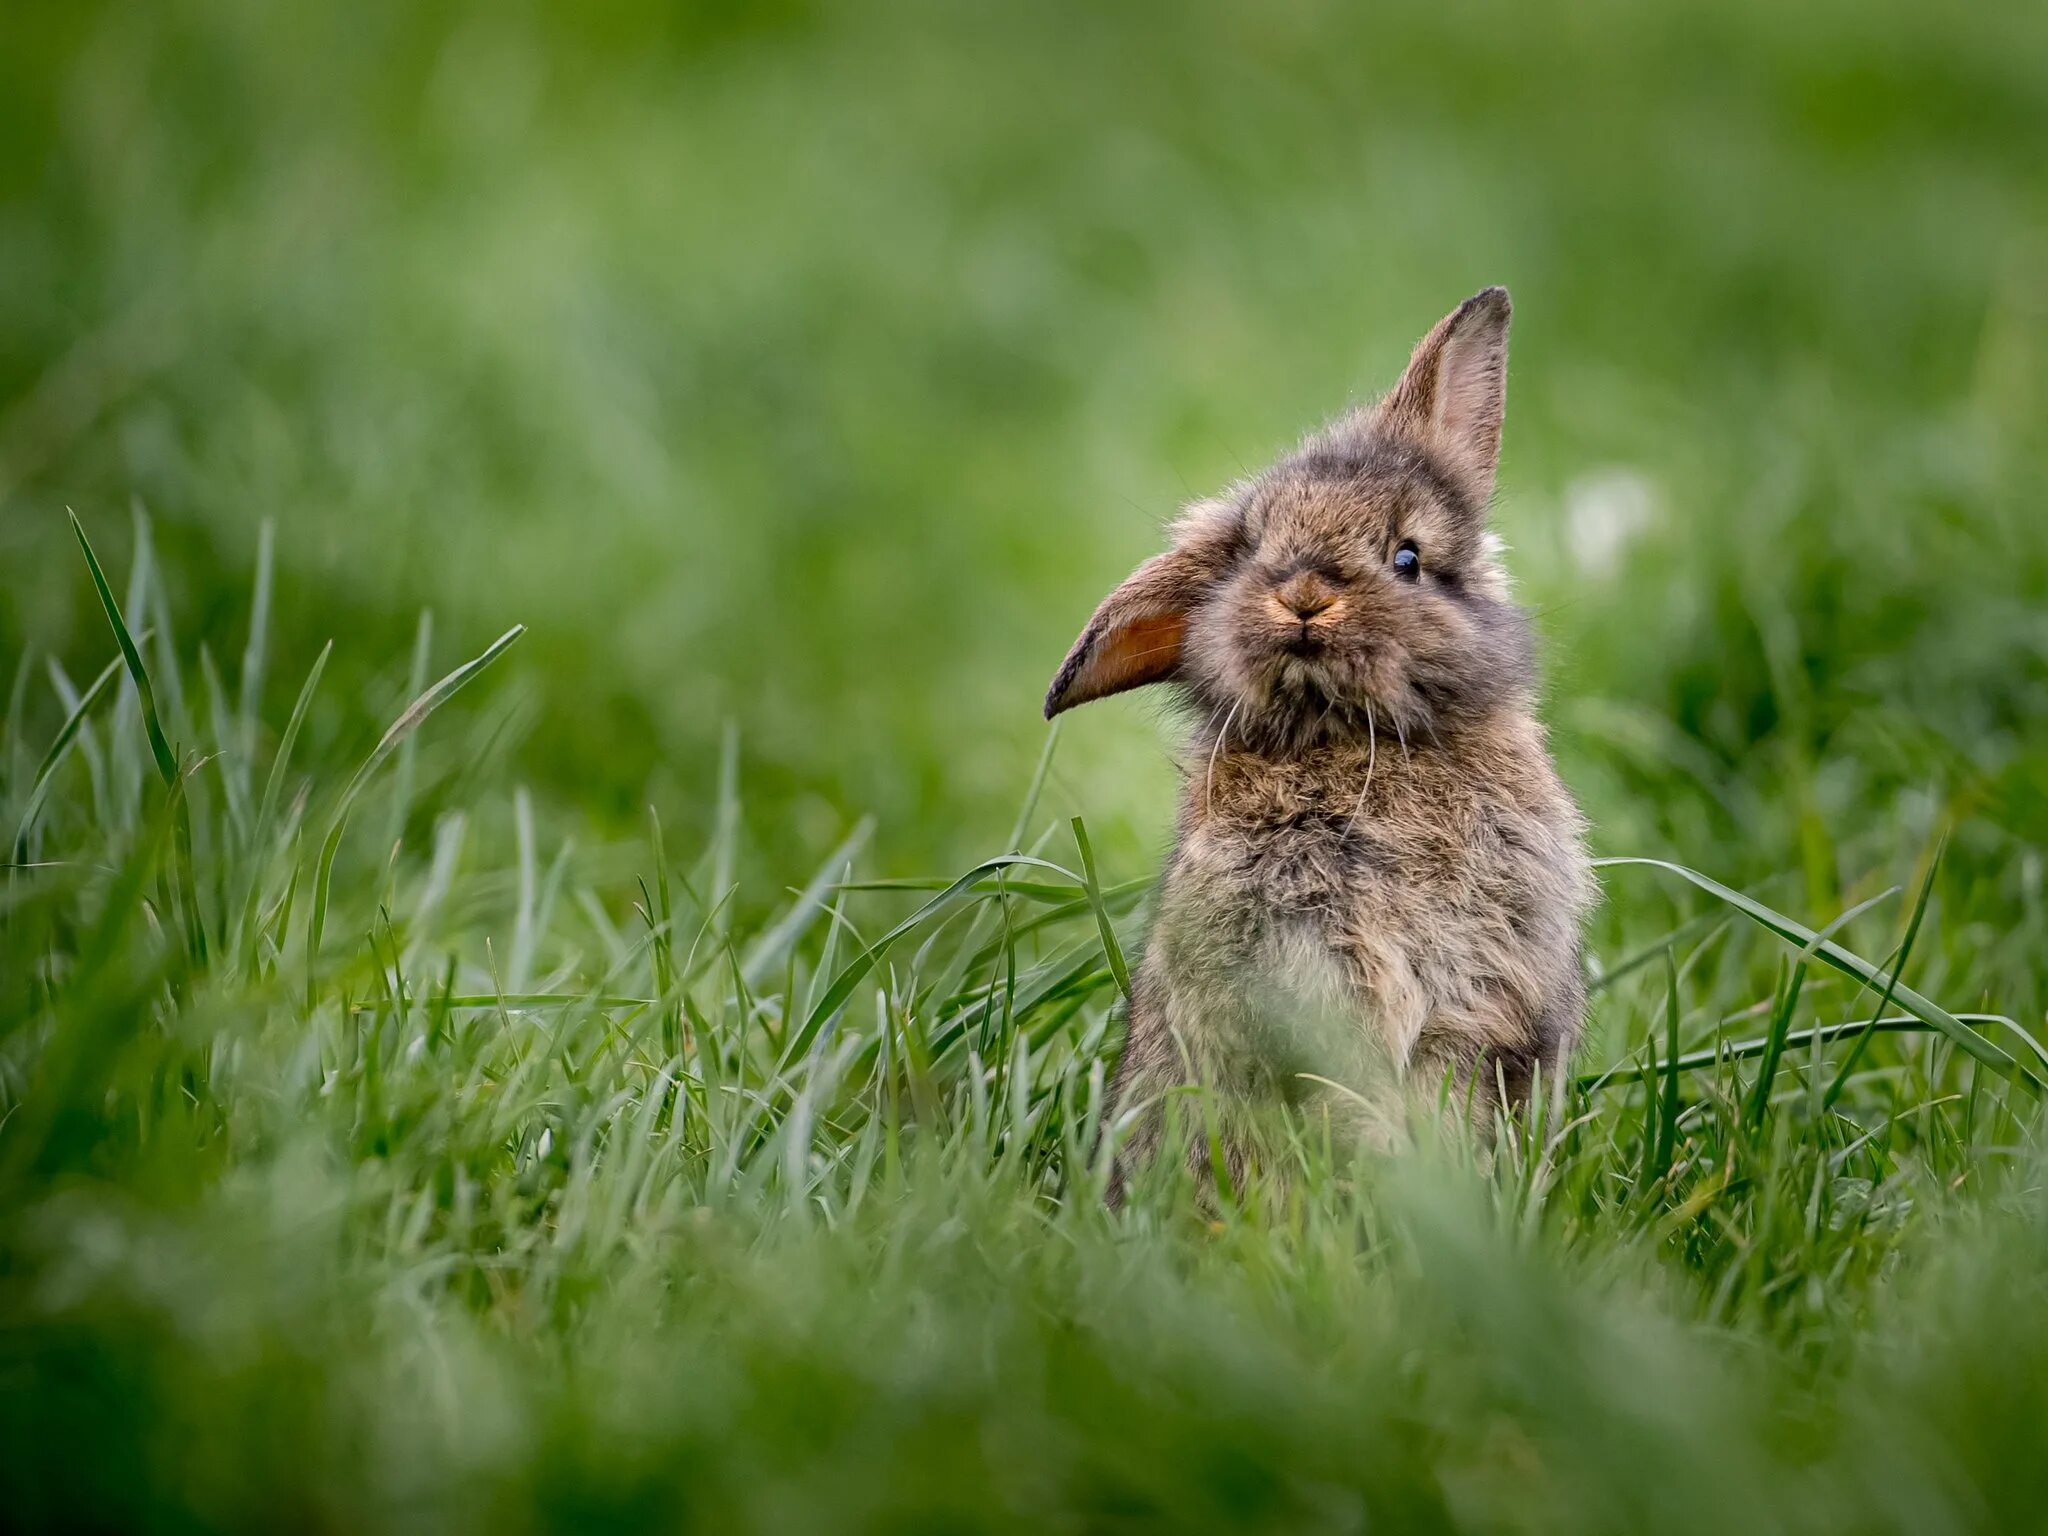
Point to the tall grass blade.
(67, 733)
(227, 754)
(185, 877)
(857, 969)
(660, 914)
(1898, 969)
(1747, 1050)
(260, 828)
(1840, 959)
(170, 681)
(1029, 808)
(1110, 947)
(725, 832)
(408, 751)
(256, 654)
(280, 762)
(778, 940)
(403, 726)
(159, 744)
(1788, 1001)
(1668, 1103)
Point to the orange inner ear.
(1142, 651)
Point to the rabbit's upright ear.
(1451, 398)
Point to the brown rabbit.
(1377, 875)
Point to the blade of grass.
(408, 752)
(1031, 890)
(228, 759)
(402, 727)
(1788, 1000)
(273, 784)
(159, 744)
(1030, 805)
(534, 1000)
(1898, 969)
(660, 914)
(778, 940)
(856, 970)
(1650, 953)
(1840, 959)
(184, 877)
(1668, 1104)
(169, 681)
(725, 831)
(59, 746)
(526, 909)
(125, 731)
(255, 654)
(1110, 948)
(1744, 1050)
(266, 813)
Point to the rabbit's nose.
(1305, 595)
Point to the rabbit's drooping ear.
(1451, 398)
(1134, 637)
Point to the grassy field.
(645, 1067)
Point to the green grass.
(661, 1083)
(493, 1192)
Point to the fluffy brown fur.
(1377, 877)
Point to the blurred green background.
(801, 376)
(815, 369)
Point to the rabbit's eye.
(1408, 560)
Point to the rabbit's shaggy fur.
(1377, 875)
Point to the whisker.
(1372, 753)
(1208, 724)
(1209, 780)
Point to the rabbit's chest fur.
(1350, 907)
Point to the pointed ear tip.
(1494, 301)
(1053, 702)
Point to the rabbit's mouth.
(1303, 642)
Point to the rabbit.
(1378, 881)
